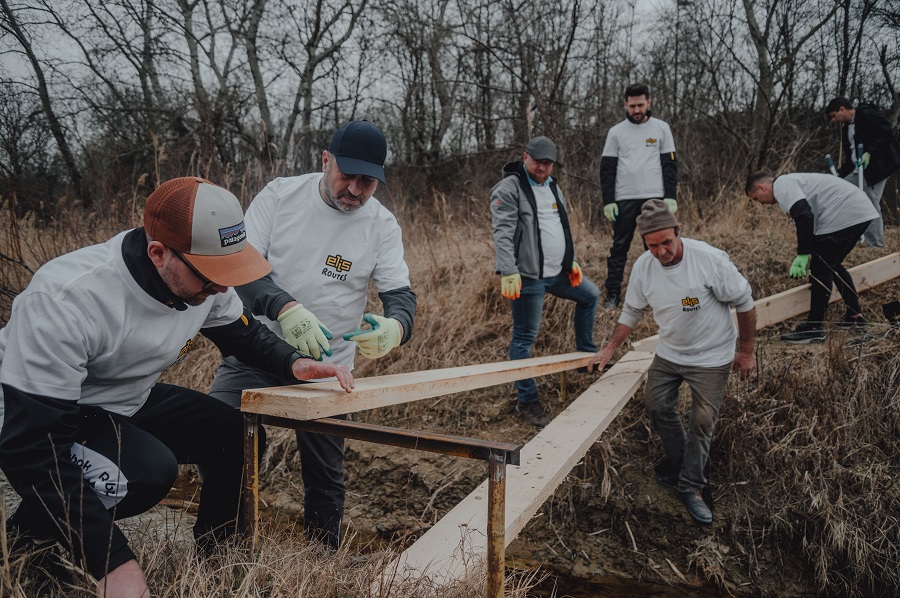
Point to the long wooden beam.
(457, 544)
(325, 399)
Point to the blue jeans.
(526, 314)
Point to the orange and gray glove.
(305, 332)
(575, 275)
(376, 342)
(510, 285)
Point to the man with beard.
(638, 164)
(326, 237)
(88, 434)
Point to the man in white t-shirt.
(638, 164)
(535, 256)
(691, 288)
(830, 214)
(326, 237)
(88, 434)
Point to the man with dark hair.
(536, 256)
(638, 164)
(88, 434)
(866, 125)
(327, 237)
(830, 214)
(690, 286)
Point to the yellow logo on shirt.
(650, 141)
(690, 304)
(184, 350)
(338, 263)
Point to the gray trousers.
(321, 456)
(686, 451)
(874, 235)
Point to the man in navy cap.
(326, 236)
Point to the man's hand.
(125, 581)
(600, 359)
(305, 332)
(671, 204)
(307, 369)
(510, 285)
(864, 159)
(384, 335)
(800, 266)
(611, 211)
(744, 364)
(575, 275)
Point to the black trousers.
(826, 269)
(623, 233)
(321, 455)
(132, 462)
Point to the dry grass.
(809, 448)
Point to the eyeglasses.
(206, 283)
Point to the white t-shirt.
(323, 257)
(691, 304)
(553, 240)
(84, 331)
(835, 203)
(639, 170)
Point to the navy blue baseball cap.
(360, 149)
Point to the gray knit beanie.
(655, 215)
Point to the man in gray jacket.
(535, 255)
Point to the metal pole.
(496, 524)
(251, 478)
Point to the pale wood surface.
(325, 399)
(459, 539)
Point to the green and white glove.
(611, 211)
(800, 266)
(671, 204)
(305, 332)
(384, 335)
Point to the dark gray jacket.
(517, 233)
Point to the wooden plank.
(325, 399)
(457, 544)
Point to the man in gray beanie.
(690, 286)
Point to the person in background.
(830, 214)
(327, 237)
(866, 125)
(535, 255)
(88, 433)
(638, 164)
(691, 288)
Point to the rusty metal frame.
(497, 455)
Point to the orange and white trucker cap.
(205, 224)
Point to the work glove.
(800, 266)
(510, 285)
(864, 159)
(305, 332)
(671, 204)
(611, 211)
(575, 275)
(379, 340)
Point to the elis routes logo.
(339, 264)
(690, 304)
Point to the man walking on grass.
(88, 434)
(830, 214)
(866, 125)
(535, 255)
(690, 286)
(638, 164)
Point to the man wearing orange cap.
(88, 434)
